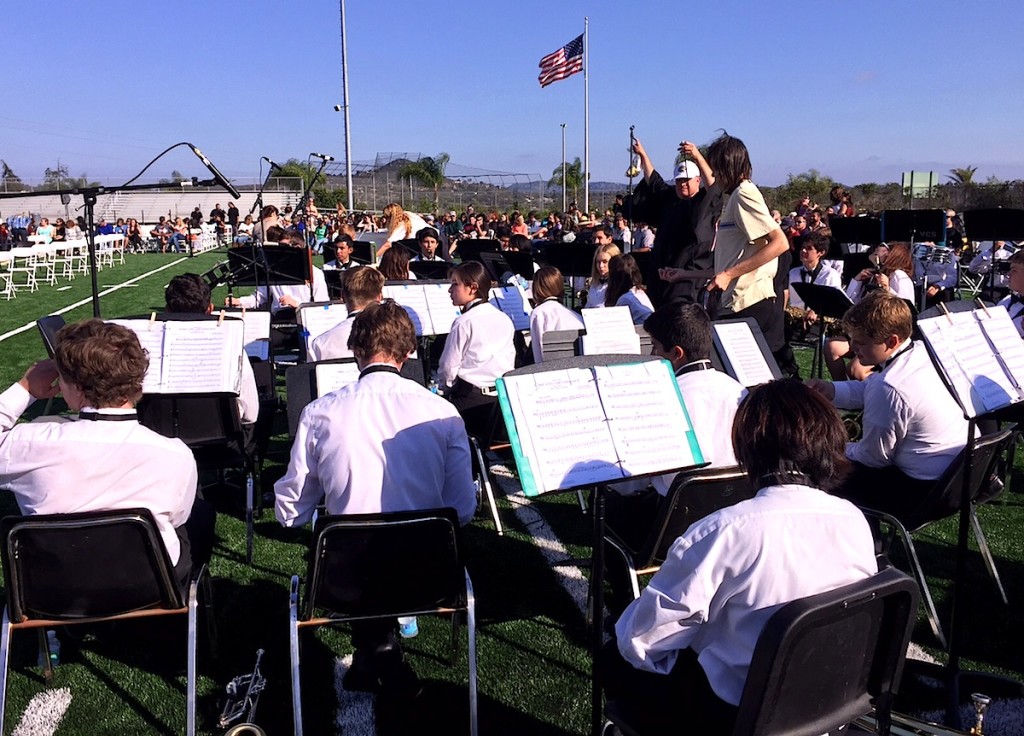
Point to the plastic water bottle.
(408, 627)
(54, 642)
(433, 386)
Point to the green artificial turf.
(533, 660)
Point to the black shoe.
(400, 682)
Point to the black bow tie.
(1015, 299)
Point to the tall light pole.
(564, 203)
(344, 90)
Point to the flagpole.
(586, 117)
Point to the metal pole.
(344, 88)
(586, 115)
(564, 203)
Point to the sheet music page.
(202, 357)
(1005, 341)
(646, 417)
(317, 320)
(562, 428)
(744, 355)
(439, 304)
(413, 299)
(938, 333)
(332, 376)
(259, 349)
(151, 337)
(609, 330)
(512, 301)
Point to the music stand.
(854, 231)
(430, 270)
(410, 245)
(826, 301)
(470, 250)
(520, 263)
(495, 265)
(364, 252)
(569, 258)
(333, 277)
(914, 225)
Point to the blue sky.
(859, 91)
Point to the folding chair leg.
(293, 636)
(44, 656)
(485, 484)
(249, 493)
(5, 653)
(190, 684)
(471, 627)
(926, 593)
(986, 554)
(211, 618)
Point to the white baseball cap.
(686, 170)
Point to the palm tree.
(573, 177)
(962, 177)
(428, 171)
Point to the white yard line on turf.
(355, 710)
(44, 713)
(83, 302)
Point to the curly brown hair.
(105, 361)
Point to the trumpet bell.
(632, 172)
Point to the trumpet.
(634, 162)
(243, 693)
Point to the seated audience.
(360, 287)
(101, 459)
(407, 451)
(685, 645)
(550, 314)
(912, 426)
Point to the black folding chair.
(691, 497)
(208, 423)
(68, 569)
(943, 502)
(359, 569)
(820, 662)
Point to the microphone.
(324, 156)
(273, 164)
(217, 176)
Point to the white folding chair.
(23, 263)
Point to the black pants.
(196, 537)
(679, 702)
(887, 489)
(768, 318)
(478, 411)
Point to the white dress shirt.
(724, 578)
(900, 284)
(383, 443)
(640, 307)
(479, 348)
(248, 401)
(1015, 308)
(910, 418)
(60, 465)
(595, 295)
(334, 342)
(298, 292)
(550, 316)
(827, 276)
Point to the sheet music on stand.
(512, 300)
(190, 357)
(627, 420)
(610, 330)
(334, 375)
(428, 303)
(256, 332)
(744, 353)
(980, 355)
(316, 318)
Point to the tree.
(962, 177)
(428, 171)
(573, 177)
(60, 178)
(11, 181)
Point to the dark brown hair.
(898, 258)
(394, 264)
(623, 275)
(785, 427)
(684, 325)
(729, 161)
(105, 361)
(473, 272)
(187, 293)
(383, 329)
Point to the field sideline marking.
(44, 713)
(83, 302)
(356, 716)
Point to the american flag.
(562, 63)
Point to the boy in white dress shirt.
(360, 287)
(1014, 301)
(912, 427)
(382, 444)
